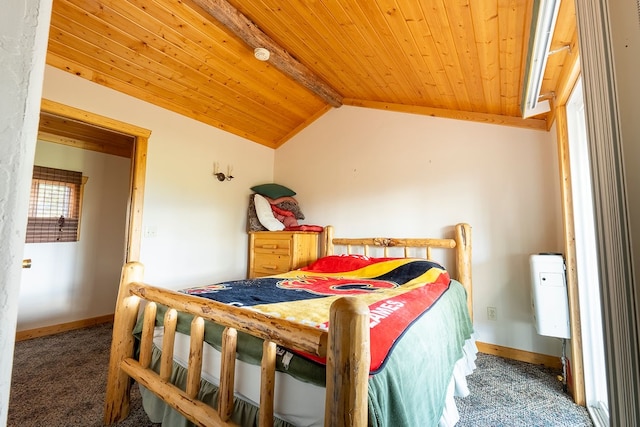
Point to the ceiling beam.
(249, 32)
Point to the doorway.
(120, 149)
(140, 137)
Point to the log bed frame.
(345, 345)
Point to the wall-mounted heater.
(549, 295)
(550, 301)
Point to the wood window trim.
(81, 197)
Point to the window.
(55, 205)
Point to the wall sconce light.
(221, 176)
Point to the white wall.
(401, 175)
(79, 280)
(200, 223)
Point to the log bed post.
(463, 261)
(348, 362)
(118, 382)
(327, 241)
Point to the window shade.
(54, 205)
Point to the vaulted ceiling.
(461, 59)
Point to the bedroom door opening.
(587, 262)
(68, 284)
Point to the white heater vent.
(549, 295)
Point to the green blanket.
(411, 390)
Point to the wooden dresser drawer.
(275, 252)
(268, 264)
(272, 246)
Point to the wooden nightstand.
(274, 252)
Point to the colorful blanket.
(397, 291)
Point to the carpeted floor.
(60, 381)
(507, 393)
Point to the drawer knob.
(270, 267)
(269, 246)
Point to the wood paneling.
(571, 272)
(459, 56)
(63, 130)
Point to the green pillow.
(273, 191)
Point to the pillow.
(288, 203)
(284, 217)
(278, 211)
(265, 214)
(304, 227)
(341, 263)
(273, 191)
(280, 200)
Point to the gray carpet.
(60, 381)
(507, 393)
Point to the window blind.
(54, 205)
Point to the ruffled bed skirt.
(246, 413)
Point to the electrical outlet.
(492, 313)
(150, 231)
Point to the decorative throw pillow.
(273, 191)
(292, 207)
(265, 214)
(253, 223)
(341, 263)
(288, 203)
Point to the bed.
(269, 363)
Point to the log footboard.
(345, 345)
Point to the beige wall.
(199, 222)
(364, 171)
(394, 174)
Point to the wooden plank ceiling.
(75, 133)
(460, 59)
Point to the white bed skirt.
(297, 402)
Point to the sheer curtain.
(611, 194)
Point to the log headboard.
(460, 242)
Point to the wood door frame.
(559, 115)
(138, 165)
